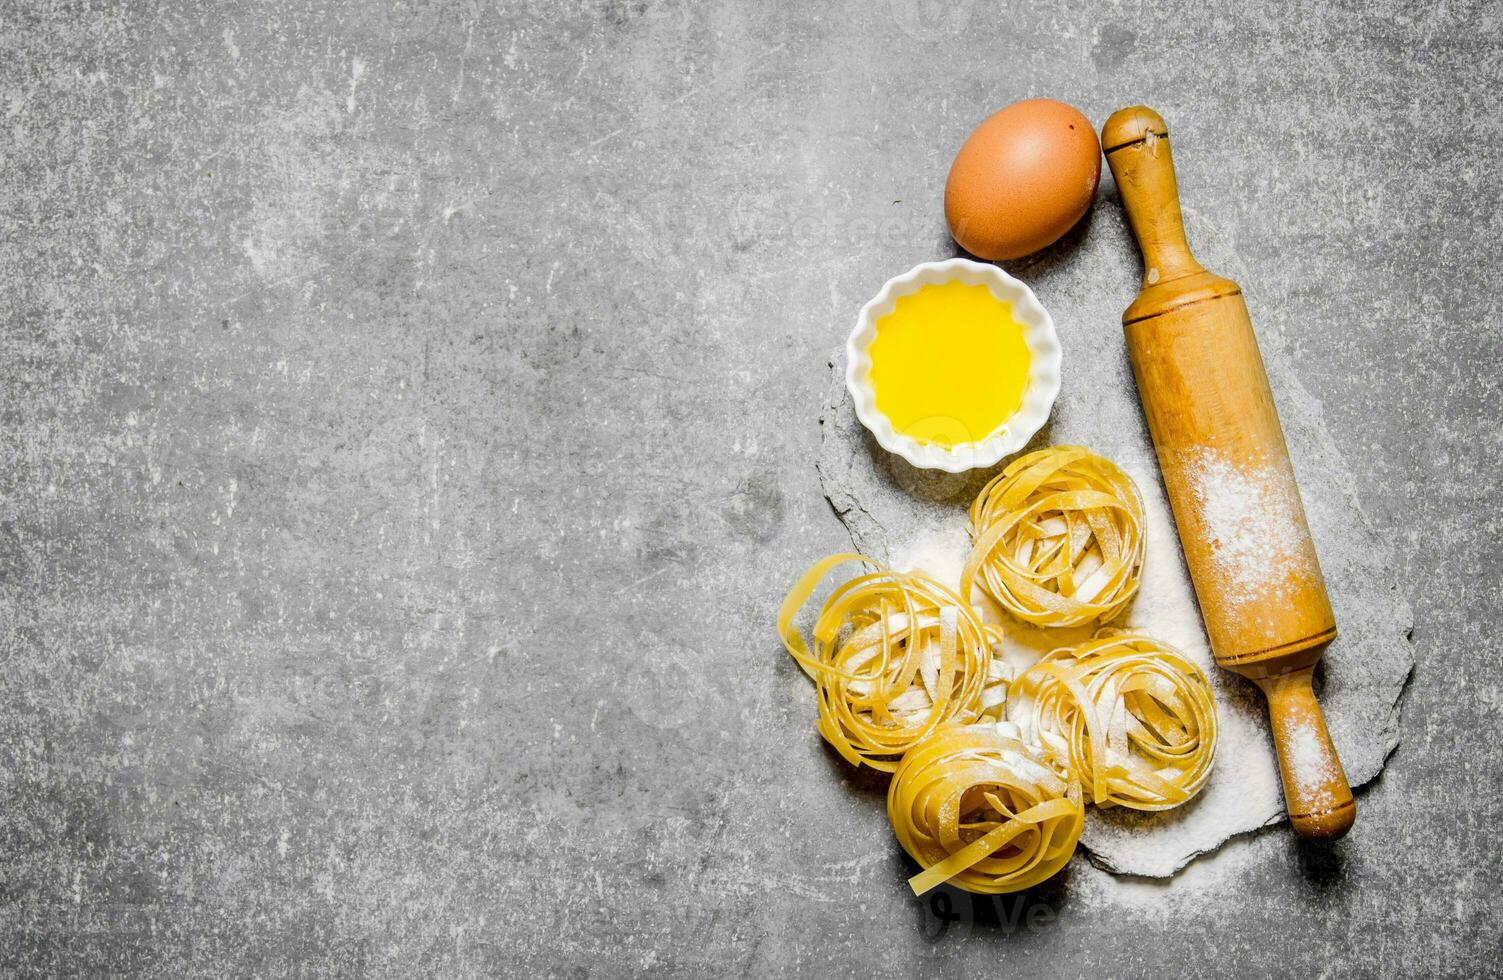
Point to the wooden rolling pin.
(1227, 472)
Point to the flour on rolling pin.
(1311, 767)
(1256, 532)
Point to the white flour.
(1309, 765)
(940, 553)
(1250, 516)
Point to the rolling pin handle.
(1315, 789)
(1136, 142)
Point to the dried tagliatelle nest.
(978, 808)
(1058, 538)
(1135, 717)
(893, 656)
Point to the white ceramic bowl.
(1043, 370)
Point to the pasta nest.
(1136, 719)
(894, 655)
(978, 808)
(1058, 538)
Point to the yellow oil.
(949, 364)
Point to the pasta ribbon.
(1058, 538)
(1137, 719)
(894, 655)
(976, 807)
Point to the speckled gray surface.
(409, 422)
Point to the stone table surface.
(409, 413)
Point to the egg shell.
(1022, 179)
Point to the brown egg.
(1022, 179)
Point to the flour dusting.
(1310, 766)
(1251, 516)
(939, 552)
